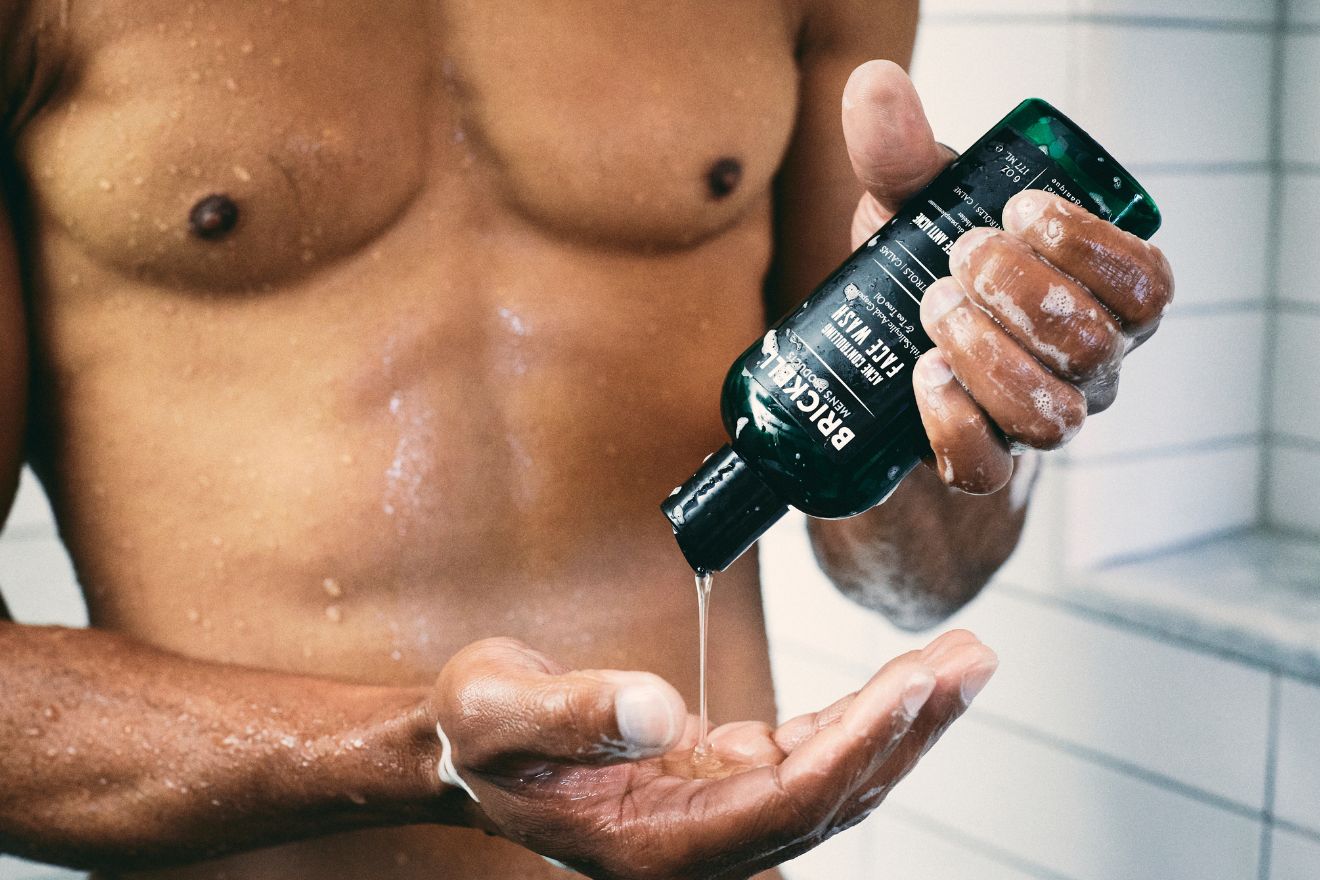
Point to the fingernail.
(975, 680)
(918, 690)
(644, 716)
(1026, 208)
(935, 370)
(940, 299)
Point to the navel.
(213, 217)
(723, 177)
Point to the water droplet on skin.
(104, 185)
(32, 731)
(51, 713)
(231, 84)
(333, 613)
(242, 173)
(396, 655)
(332, 588)
(246, 48)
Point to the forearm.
(926, 551)
(114, 754)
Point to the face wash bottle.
(821, 410)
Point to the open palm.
(570, 765)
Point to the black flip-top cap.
(721, 511)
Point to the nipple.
(723, 177)
(213, 217)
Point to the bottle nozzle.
(721, 511)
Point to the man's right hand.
(593, 769)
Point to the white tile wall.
(1037, 8)
(1299, 258)
(17, 869)
(1124, 508)
(1106, 688)
(1294, 857)
(1297, 778)
(1304, 12)
(1257, 11)
(1094, 685)
(1199, 379)
(1224, 215)
(1296, 393)
(38, 582)
(31, 511)
(1301, 106)
(1072, 816)
(970, 75)
(904, 850)
(1294, 489)
(1175, 96)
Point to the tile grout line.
(1274, 227)
(961, 839)
(1152, 22)
(1117, 765)
(1271, 769)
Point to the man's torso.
(451, 324)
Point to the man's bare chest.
(236, 145)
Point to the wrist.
(381, 764)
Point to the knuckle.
(1055, 418)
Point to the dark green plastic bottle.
(821, 410)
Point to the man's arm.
(927, 550)
(1008, 371)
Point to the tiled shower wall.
(1293, 450)
(1101, 751)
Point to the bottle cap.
(721, 511)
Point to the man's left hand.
(1031, 329)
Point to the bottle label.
(841, 364)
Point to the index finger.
(1130, 276)
(773, 807)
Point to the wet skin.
(363, 333)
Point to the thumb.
(507, 710)
(890, 143)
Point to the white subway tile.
(845, 856)
(39, 585)
(905, 850)
(31, 511)
(1297, 777)
(1256, 11)
(1301, 109)
(1118, 509)
(971, 75)
(1199, 379)
(1105, 688)
(1299, 258)
(802, 607)
(1296, 400)
(18, 869)
(1304, 12)
(1215, 235)
(1038, 558)
(1173, 96)
(1294, 857)
(1294, 490)
(1097, 686)
(936, 8)
(1071, 816)
(808, 681)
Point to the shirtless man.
(337, 316)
